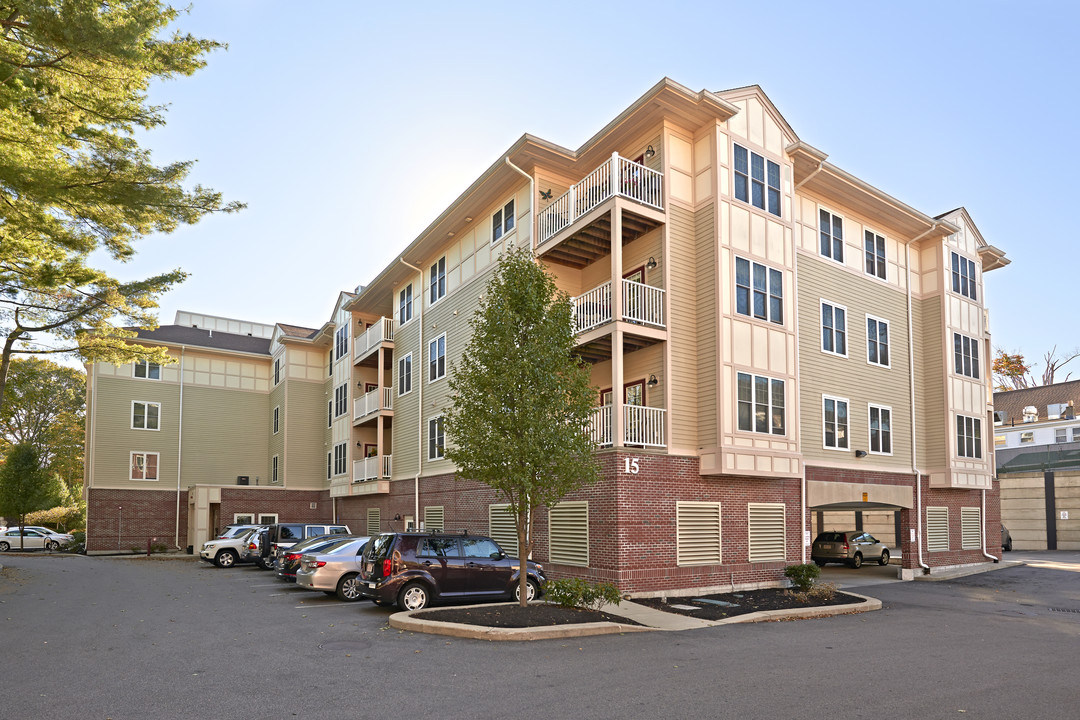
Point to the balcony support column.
(379, 444)
(618, 432)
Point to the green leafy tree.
(45, 407)
(521, 400)
(24, 484)
(74, 76)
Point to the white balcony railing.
(632, 180)
(642, 426)
(382, 330)
(372, 468)
(370, 402)
(641, 304)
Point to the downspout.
(911, 383)
(983, 516)
(179, 447)
(419, 396)
(795, 295)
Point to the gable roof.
(199, 337)
(1013, 402)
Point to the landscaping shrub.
(576, 592)
(78, 545)
(803, 576)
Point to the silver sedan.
(335, 570)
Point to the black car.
(413, 569)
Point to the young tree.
(1012, 373)
(45, 408)
(521, 401)
(24, 485)
(73, 180)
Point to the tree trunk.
(5, 361)
(523, 555)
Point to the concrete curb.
(651, 619)
(959, 572)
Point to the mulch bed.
(726, 605)
(515, 616)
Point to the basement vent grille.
(970, 529)
(937, 529)
(374, 521)
(698, 533)
(568, 533)
(768, 540)
(502, 529)
(433, 518)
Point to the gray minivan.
(282, 536)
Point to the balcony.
(372, 468)
(642, 426)
(368, 406)
(641, 304)
(367, 343)
(617, 178)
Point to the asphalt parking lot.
(135, 638)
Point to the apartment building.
(771, 341)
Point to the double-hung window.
(277, 370)
(757, 180)
(145, 415)
(404, 374)
(341, 399)
(877, 341)
(835, 416)
(969, 437)
(831, 229)
(963, 276)
(966, 356)
(274, 469)
(880, 430)
(340, 458)
(147, 370)
(438, 281)
(341, 342)
(277, 419)
(405, 305)
(144, 466)
(833, 329)
(437, 358)
(874, 246)
(761, 404)
(759, 291)
(435, 438)
(502, 221)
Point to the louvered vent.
(937, 528)
(568, 533)
(501, 528)
(374, 520)
(970, 528)
(433, 517)
(698, 532)
(768, 540)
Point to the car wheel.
(856, 562)
(348, 588)
(413, 596)
(819, 563)
(884, 559)
(4, 547)
(532, 590)
(52, 545)
(225, 559)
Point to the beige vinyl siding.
(115, 440)
(406, 406)
(306, 424)
(930, 414)
(682, 313)
(852, 377)
(638, 365)
(276, 443)
(706, 285)
(222, 438)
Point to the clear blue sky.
(348, 127)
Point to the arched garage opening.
(865, 508)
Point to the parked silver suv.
(848, 546)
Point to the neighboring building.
(1037, 436)
(777, 346)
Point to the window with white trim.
(329, 465)
(831, 231)
(437, 358)
(147, 370)
(874, 249)
(145, 415)
(759, 291)
(1028, 436)
(966, 356)
(833, 329)
(1061, 435)
(329, 413)
(502, 221)
(268, 518)
(438, 280)
(341, 399)
(144, 465)
(963, 276)
(835, 422)
(757, 180)
(760, 404)
(277, 419)
(404, 374)
(341, 342)
(969, 436)
(435, 438)
(277, 370)
(405, 305)
(1076, 434)
(877, 341)
(243, 519)
(341, 458)
(274, 470)
(880, 430)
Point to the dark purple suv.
(413, 569)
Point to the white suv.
(226, 552)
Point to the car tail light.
(292, 557)
(318, 563)
(252, 546)
(846, 547)
(387, 567)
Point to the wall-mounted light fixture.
(651, 265)
(359, 444)
(650, 153)
(860, 453)
(360, 384)
(653, 382)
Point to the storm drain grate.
(1068, 610)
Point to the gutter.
(420, 394)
